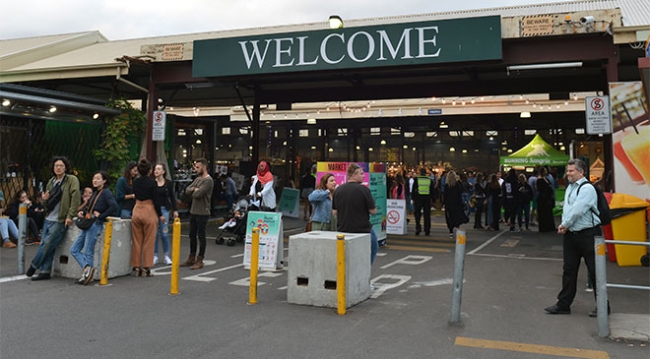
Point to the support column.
(608, 153)
(256, 127)
(152, 105)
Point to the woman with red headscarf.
(262, 193)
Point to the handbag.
(88, 219)
(308, 226)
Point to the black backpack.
(604, 214)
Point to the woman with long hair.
(494, 203)
(124, 195)
(146, 216)
(454, 211)
(321, 200)
(399, 191)
(14, 210)
(167, 200)
(100, 205)
(262, 193)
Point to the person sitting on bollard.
(14, 212)
(100, 205)
(321, 198)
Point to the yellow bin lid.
(622, 200)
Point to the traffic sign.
(599, 115)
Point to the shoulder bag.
(88, 219)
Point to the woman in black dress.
(454, 211)
(545, 203)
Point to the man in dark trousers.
(422, 197)
(201, 191)
(580, 224)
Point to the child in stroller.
(236, 225)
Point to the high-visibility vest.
(424, 185)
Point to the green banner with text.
(418, 43)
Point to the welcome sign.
(457, 40)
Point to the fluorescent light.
(557, 65)
(443, 125)
(524, 114)
(311, 121)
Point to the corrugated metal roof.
(634, 13)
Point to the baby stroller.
(236, 225)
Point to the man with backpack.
(581, 221)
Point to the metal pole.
(22, 230)
(459, 267)
(176, 256)
(340, 273)
(255, 256)
(106, 255)
(601, 288)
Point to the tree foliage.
(115, 148)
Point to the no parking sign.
(599, 116)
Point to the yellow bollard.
(255, 257)
(340, 273)
(106, 255)
(176, 256)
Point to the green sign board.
(418, 43)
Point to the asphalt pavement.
(509, 277)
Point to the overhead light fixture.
(443, 125)
(557, 65)
(95, 116)
(311, 121)
(370, 149)
(383, 142)
(452, 149)
(335, 22)
(331, 149)
(52, 109)
(405, 146)
(6, 103)
(524, 114)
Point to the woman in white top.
(262, 193)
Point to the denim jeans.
(8, 227)
(465, 198)
(162, 235)
(53, 233)
(525, 209)
(374, 246)
(126, 214)
(197, 227)
(83, 248)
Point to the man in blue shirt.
(580, 224)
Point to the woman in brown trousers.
(144, 223)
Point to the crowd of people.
(516, 201)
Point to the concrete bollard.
(459, 267)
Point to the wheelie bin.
(607, 233)
(629, 224)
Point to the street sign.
(599, 115)
(158, 126)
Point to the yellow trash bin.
(629, 224)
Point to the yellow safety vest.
(424, 185)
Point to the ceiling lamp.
(524, 114)
(52, 109)
(6, 103)
(311, 121)
(383, 142)
(443, 125)
(557, 65)
(335, 22)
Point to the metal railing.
(602, 285)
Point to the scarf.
(264, 175)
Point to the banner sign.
(289, 204)
(271, 249)
(374, 177)
(417, 43)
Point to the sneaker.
(451, 235)
(8, 244)
(29, 242)
(168, 261)
(89, 276)
(155, 260)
